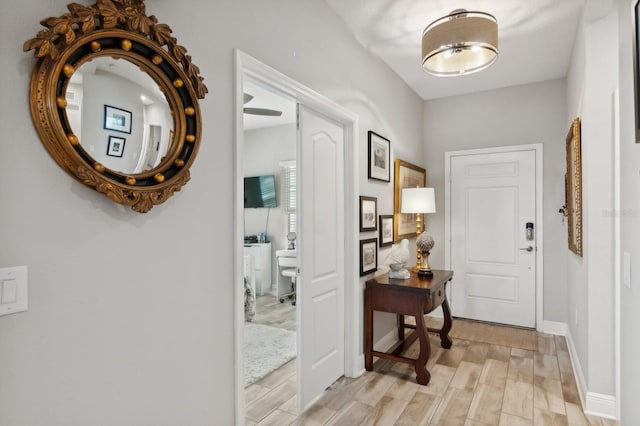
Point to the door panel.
(492, 287)
(484, 216)
(492, 199)
(321, 281)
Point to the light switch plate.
(14, 293)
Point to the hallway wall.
(131, 315)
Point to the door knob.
(530, 248)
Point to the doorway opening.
(270, 266)
(308, 102)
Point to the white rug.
(266, 348)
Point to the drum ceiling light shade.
(461, 43)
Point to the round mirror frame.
(121, 29)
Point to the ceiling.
(535, 41)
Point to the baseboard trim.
(600, 405)
(553, 327)
(357, 369)
(596, 404)
(387, 341)
(577, 368)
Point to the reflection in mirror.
(120, 115)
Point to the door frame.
(246, 65)
(539, 219)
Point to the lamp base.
(425, 273)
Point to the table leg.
(445, 340)
(368, 331)
(400, 327)
(422, 375)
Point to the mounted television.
(259, 191)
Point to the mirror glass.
(119, 114)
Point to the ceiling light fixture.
(460, 43)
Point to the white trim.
(238, 229)
(556, 328)
(581, 383)
(247, 66)
(537, 148)
(387, 341)
(594, 403)
(600, 405)
(617, 282)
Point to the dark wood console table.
(415, 296)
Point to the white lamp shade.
(463, 42)
(418, 200)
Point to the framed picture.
(636, 66)
(386, 230)
(368, 213)
(115, 148)
(368, 256)
(117, 119)
(406, 175)
(379, 157)
(574, 188)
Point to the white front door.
(493, 198)
(320, 289)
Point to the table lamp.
(418, 201)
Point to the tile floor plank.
(419, 411)
(467, 375)
(518, 399)
(494, 373)
(547, 395)
(277, 418)
(453, 408)
(486, 405)
(543, 417)
(520, 369)
(546, 366)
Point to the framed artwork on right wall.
(574, 188)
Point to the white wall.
(577, 297)
(597, 158)
(593, 77)
(630, 222)
(518, 115)
(264, 149)
(130, 316)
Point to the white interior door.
(493, 197)
(320, 289)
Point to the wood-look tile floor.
(270, 311)
(472, 384)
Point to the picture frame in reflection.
(117, 119)
(115, 147)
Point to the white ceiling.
(535, 41)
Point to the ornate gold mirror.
(114, 99)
